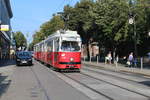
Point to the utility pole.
(132, 17)
(65, 17)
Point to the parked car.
(23, 58)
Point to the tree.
(111, 26)
(31, 45)
(51, 26)
(20, 40)
(47, 29)
(80, 20)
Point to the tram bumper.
(71, 65)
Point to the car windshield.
(70, 46)
(24, 54)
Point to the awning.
(5, 35)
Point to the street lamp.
(149, 34)
(132, 21)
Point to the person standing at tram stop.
(131, 59)
(109, 57)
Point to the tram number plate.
(71, 66)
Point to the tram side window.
(56, 45)
(42, 49)
(38, 48)
(45, 47)
(50, 46)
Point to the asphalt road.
(39, 82)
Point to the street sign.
(4, 27)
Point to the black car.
(23, 58)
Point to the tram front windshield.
(70, 46)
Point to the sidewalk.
(120, 67)
(6, 70)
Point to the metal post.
(90, 58)
(97, 59)
(135, 38)
(84, 58)
(141, 63)
(116, 61)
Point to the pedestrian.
(131, 59)
(135, 62)
(109, 57)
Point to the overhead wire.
(60, 5)
(70, 2)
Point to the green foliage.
(30, 48)
(106, 22)
(47, 29)
(20, 39)
(80, 19)
(51, 26)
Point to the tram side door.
(56, 49)
(50, 52)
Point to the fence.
(143, 62)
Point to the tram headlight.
(71, 59)
(63, 54)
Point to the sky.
(28, 15)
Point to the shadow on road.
(4, 63)
(146, 83)
(4, 84)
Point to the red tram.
(61, 50)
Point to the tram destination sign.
(70, 38)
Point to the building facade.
(93, 50)
(5, 36)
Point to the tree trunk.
(88, 53)
(114, 54)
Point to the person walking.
(108, 58)
(135, 62)
(131, 59)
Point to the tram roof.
(62, 33)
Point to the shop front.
(4, 47)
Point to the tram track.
(114, 76)
(102, 93)
(58, 74)
(110, 98)
(118, 71)
(88, 87)
(90, 76)
(116, 85)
